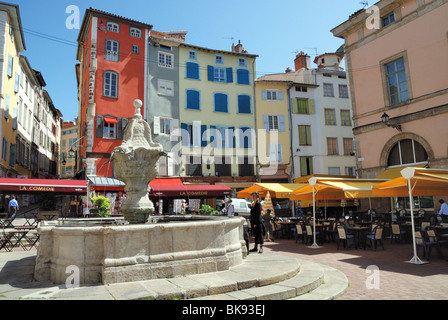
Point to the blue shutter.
(12, 155)
(193, 100)
(213, 136)
(221, 103)
(185, 134)
(230, 139)
(229, 76)
(242, 76)
(282, 123)
(244, 104)
(14, 119)
(16, 83)
(10, 65)
(192, 70)
(7, 101)
(266, 122)
(211, 73)
(203, 135)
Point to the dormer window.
(114, 27)
(134, 32)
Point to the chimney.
(302, 61)
(288, 70)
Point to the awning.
(30, 186)
(105, 184)
(111, 120)
(190, 190)
(393, 173)
(336, 189)
(305, 179)
(424, 182)
(276, 190)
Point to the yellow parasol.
(267, 204)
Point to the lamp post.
(385, 118)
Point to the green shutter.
(294, 106)
(311, 106)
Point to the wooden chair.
(6, 241)
(310, 235)
(397, 233)
(376, 236)
(344, 237)
(422, 242)
(300, 233)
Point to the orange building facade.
(111, 75)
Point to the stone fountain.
(136, 164)
(142, 250)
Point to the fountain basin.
(127, 253)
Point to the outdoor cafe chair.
(425, 243)
(300, 233)
(6, 241)
(375, 237)
(309, 233)
(278, 230)
(397, 233)
(344, 237)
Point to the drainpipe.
(291, 85)
(256, 126)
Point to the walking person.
(267, 221)
(13, 207)
(257, 223)
(230, 209)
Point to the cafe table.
(359, 232)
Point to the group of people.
(227, 207)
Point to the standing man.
(443, 213)
(13, 207)
(256, 221)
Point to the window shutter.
(311, 106)
(294, 106)
(266, 122)
(213, 141)
(99, 126)
(10, 65)
(279, 153)
(175, 127)
(192, 70)
(170, 164)
(122, 123)
(7, 101)
(282, 123)
(211, 73)
(185, 134)
(12, 155)
(204, 139)
(16, 83)
(156, 125)
(272, 152)
(264, 94)
(230, 141)
(229, 75)
(196, 134)
(14, 119)
(280, 95)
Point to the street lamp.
(385, 118)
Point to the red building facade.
(112, 52)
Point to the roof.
(328, 54)
(219, 51)
(14, 12)
(297, 77)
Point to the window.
(330, 118)
(244, 104)
(166, 60)
(334, 171)
(165, 126)
(110, 127)
(220, 74)
(114, 27)
(332, 146)
(165, 87)
(134, 32)
(194, 166)
(407, 151)
(135, 49)
(345, 118)
(221, 102)
(192, 70)
(350, 171)
(348, 146)
(301, 89)
(302, 106)
(396, 81)
(272, 95)
(242, 62)
(306, 166)
(275, 152)
(194, 134)
(111, 84)
(245, 167)
(273, 123)
(328, 90)
(245, 137)
(112, 50)
(343, 91)
(193, 100)
(219, 59)
(305, 136)
(223, 166)
(192, 54)
(388, 19)
(242, 76)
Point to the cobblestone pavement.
(395, 280)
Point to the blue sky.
(274, 30)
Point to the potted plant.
(102, 206)
(207, 210)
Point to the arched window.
(407, 151)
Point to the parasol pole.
(408, 174)
(312, 182)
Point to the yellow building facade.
(11, 44)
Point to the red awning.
(190, 190)
(28, 186)
(111, 120)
